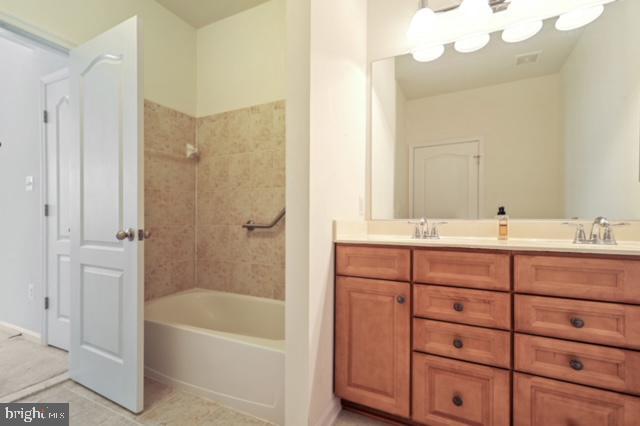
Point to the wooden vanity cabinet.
(444, 337)
(373, 335)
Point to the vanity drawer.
(474, 307)
(545, 402)
(481, 345)
(608, 368)
(585, 278)
(462, 269)
(374, 262)
(447, 392)
(605, 323)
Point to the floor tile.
(26, 363)
(347, 418)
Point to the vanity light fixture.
(428, 53)
(472, 42)
(422, 24)
(525, 28)
(579, 17)
(475, 14)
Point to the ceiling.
(494, 64)
(199, 13)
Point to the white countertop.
(627, 248)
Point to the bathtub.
(223, 346)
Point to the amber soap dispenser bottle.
(503, 224)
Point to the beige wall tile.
(170, 201)
(195, 210)
(241, 176)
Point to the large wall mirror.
(549, 128)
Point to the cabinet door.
(545, 402)
(373, 323)
(455, 393)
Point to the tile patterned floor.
(26, 363)
(164, 405)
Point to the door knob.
(128, 234)
(401, 300)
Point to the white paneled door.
(107, 215)
(58, 217)
(446, 180)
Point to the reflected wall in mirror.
(549, 128)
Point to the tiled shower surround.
(195, 210)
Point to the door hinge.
(46, 210)
(45, 116)
(46, 303)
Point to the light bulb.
(476, 9)
(527, 24)
(472, 43)
(521, 31)
(428, 53)
(421, 25)
(579, 17)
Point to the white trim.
(330, 414)
(44, 195)
(443, 142)
(239, 405)
(35, 34)
(27, 334)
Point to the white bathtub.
(223, 346)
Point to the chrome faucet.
(422, 231)
(599, 223)
(601, 232)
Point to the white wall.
(326, 149)
(21, 212)
(383, 137)
(520, 124)
(169, 42)
(602, 107)
(242, 60)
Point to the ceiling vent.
(528, 58)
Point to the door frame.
(443, 142)
(50, 42)
(44, 196)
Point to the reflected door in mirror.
(446, 180)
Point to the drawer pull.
(458, 343)
(576, 365)
(458, 307)
(401, 300)
(457, 401)
(577, 322)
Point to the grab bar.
(250, 226)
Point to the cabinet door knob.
(458, 343)
(576, 365)
(401, 300)
(457, 401)
(577, 322)
(458, 307)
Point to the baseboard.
(27, 334)
(235, 404)
(330, 413)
